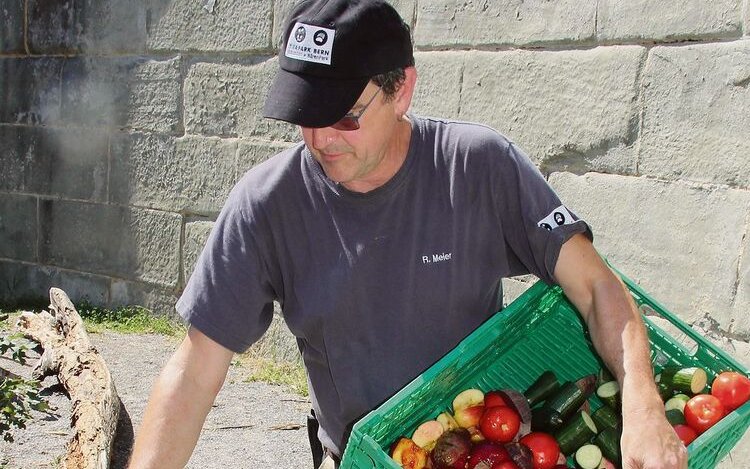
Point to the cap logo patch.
(310, 43)
(559, 216)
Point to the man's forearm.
(181, 399)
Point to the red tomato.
(494, 399)
(703, 411)
(732, 389)
(499, 424)
(685, 433)
(544, 449)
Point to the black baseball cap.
(330, 51)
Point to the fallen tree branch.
(69, 354)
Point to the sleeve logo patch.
(310, 43)
(559, 217)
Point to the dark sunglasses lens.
(346, 123)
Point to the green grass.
(291, 376)
(128, 320)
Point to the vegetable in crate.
(489, 453)
(500, 424)
(408, 454)
(732, 389)
(427, 434)
(690, 380)
(703, 411)
(543, 387)
(685, 433)
(588, 457)
(562, 404)
(577, 432)
(468, 407)
(544, 449)
(452, 450)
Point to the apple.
(489, 453)
(468, 398)
(427, 434)
(408, 454)
(469, 416)
(447, 421)
(495, 399)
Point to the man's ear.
(405, 92)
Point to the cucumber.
(605, 417)
(692, 380)
(603, 376)
(608, 440)
(588, 457)
(547, 420)
(545, 385)
(675, 417)
(576, 433)
(571, 396)
(665, 391)
(677, 401)
(609, 393)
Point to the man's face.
(362, 159)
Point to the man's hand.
(619, 336)
(649, 442)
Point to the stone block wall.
(123, 126)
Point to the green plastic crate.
(539, 331)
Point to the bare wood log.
(68, 352)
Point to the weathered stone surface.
(134, 93)
(252, 153)
(458, 23)
(29, 283)
(227, 100)
(158, 299)
(196, 235)
(69, 163)
(209, 25)
(746, 29)
(30, 90)
(680, 242)
(438, 90)
(12, 19)
(572, 110)
(90, 26)
(18, 229)
(191, 173)
(695, 118)
(668, 19)
(282, 9)
(741, 309)
(278, 343)
(515, 286)
(128, 243)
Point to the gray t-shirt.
(376, 286)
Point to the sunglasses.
(351, 121)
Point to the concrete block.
(438, 90)
(187, 25)
(192, 174)
(31, 90)
(455, 23)
(131, 92)
(196, 235)
(679, 241)
(129, 243)
(670, 20)
(282, 9)
(227, 100)
(88, 26)
(573, 110)
(252, 153)
(11, 36)
(18, 228)
(695, 117)
(158, 299)
(69, 163)
(746, 21)
(26, 284)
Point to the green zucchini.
(576, 432)
(691, 380)
(677, 401)
(547, 420)
(608, 440)
(609, 393)
(588, 457)
(603, 376)
(605, 417)
(571, 395)
(545, 385)
(665, 391)
(675, 417)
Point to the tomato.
(505, 465)
(544, 449)
(685, 433)
(499, 424)
(703, 411)
(732, 389)
(494, 399)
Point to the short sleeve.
(535, 222)
(229, 296)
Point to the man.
(384, 236)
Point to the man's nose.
(323, 137)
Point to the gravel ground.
(251, 425)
